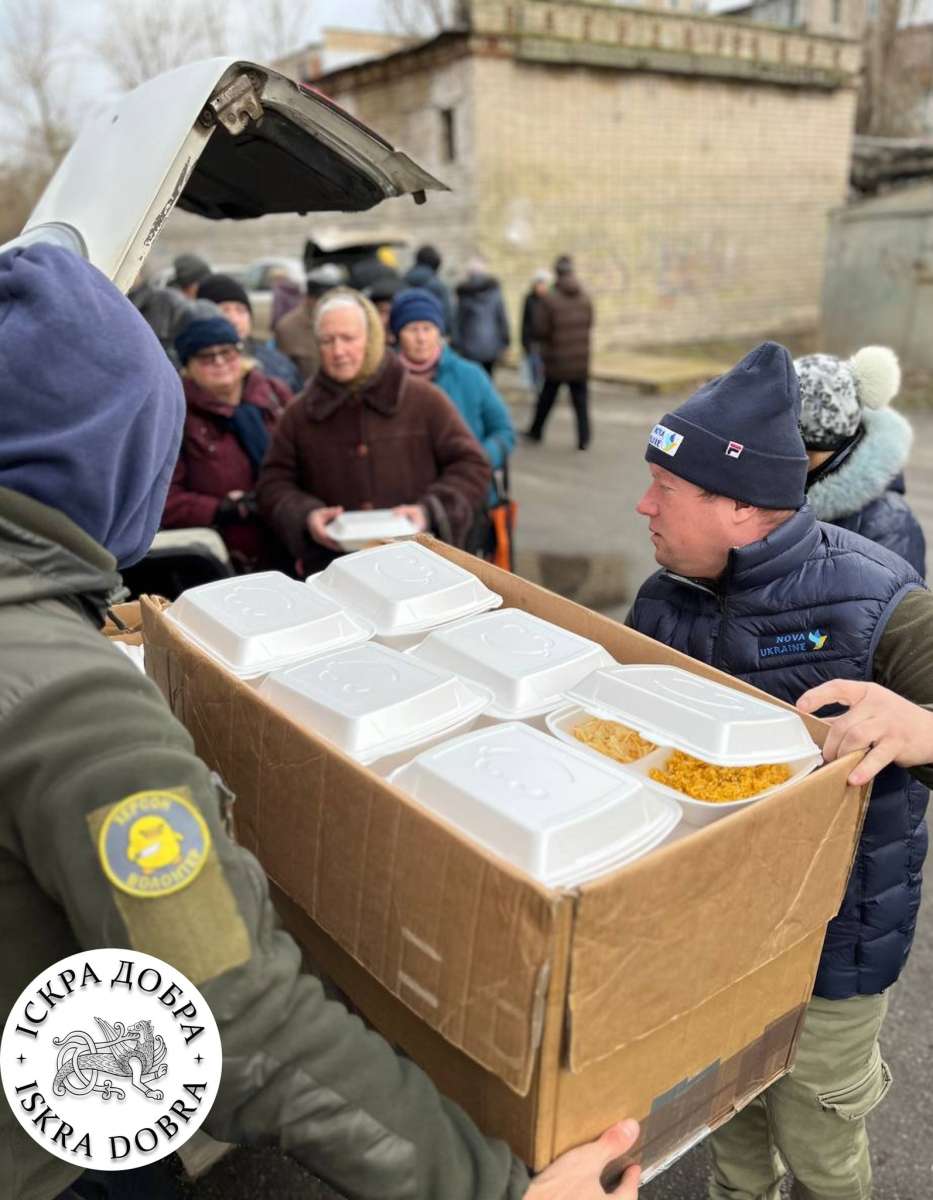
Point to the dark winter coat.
(481, 326)
(563, 327)
(807, 578)
(530, 306)
(396, 440)
(421, 276)
(862, 487)
(212, 463)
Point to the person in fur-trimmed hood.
(858, 448)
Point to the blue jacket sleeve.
(498, 431)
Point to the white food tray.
(528, 663)
(254, 624)
(403, 589)
(711, 721)
(372, 701)
(563, 721)
(547, 809)
(353, 530)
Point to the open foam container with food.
(377, 704)
(404, 590)
(547, 809)
(741, 742)
(254, 624)
(527, 662)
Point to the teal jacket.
(478, 402)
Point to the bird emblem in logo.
(153, 843)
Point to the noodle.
(717, 785)
(612, 739)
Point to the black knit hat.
(223, 289)
(739, 435)
(189, 269)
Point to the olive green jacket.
(80, 729)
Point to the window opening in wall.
(448, 135)
(837, 11)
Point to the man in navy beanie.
(752, 584)
(91, 415)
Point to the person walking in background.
(232, 409)
(481, 325)
(232, 300)
(426, 274)
(534, 364)
(294, 333)
(366, 434)
(190, 270)
(563, 325)
(858, 448)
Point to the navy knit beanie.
(739, 435)
(415, 304)
(198, 335)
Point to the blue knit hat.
(415, 304)
(199, 334)
(739, 435)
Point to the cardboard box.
(671, 990)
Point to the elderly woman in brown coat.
(365, 434)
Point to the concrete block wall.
(695, 208)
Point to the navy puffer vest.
(805, 605)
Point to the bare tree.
(35, 107)
(276, 28)
(890, 95)
(424, 18)
(143, 38)
(34, 93)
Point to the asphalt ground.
(577, 527)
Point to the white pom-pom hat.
(833, 392)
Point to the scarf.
(425, 369)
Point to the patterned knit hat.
(833, 392)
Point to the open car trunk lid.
(221, 138)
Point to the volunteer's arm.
(891, 717)
(298, 1068)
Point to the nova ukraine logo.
(799, 642)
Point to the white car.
(223, 138)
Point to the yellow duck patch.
(153, 843)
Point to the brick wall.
(695, 208)
(691, 187)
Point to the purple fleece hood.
(91, 409)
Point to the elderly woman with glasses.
(232, 409)
(364, 434)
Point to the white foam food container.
(373, 701)
(353, 530)
(403, 589)
(528, 663)
(562, 722)
(711, 721)
(554, 813)
(253, 624)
